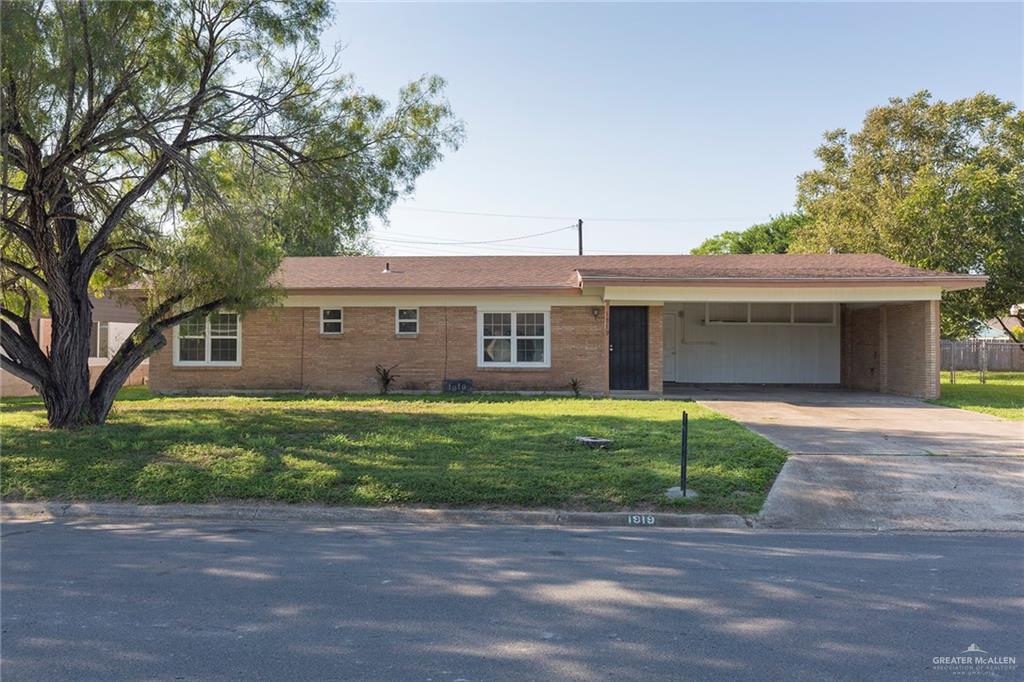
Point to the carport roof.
(541, 274)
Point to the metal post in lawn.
(679, 491)
(683, 454)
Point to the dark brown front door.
(627, 348)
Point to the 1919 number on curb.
(640, 520)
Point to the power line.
(511, 249)
(502, 247)
(560, 217)
(486, 241)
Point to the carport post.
(682, 455)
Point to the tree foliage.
(933, 184)
(773, 236)
(181, 147)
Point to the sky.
(658, 125)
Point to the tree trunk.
(66, 390)
(128, 357)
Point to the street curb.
(41, 511)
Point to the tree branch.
(1018, 340)
(21, 371)
(25, 272)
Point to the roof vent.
(387, 268)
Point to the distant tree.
(932, 184)
(183, 146)
(773, 236)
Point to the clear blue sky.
(697, 116)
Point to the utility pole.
(579, 228)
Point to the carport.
(889, 347)
(859, 322)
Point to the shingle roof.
(501, 273)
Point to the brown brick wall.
(859, 341)
(271, 352)
(892, 348)
(912, 332)
(283, 349)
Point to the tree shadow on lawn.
(368, 456)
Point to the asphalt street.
(106, 600)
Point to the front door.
(627, 348)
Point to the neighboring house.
(997, 326)
(992, 329)
(630, 323)
(111, 324)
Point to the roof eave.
(453, 291)
(948, 283)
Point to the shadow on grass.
(435, 450)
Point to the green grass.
(501, 450)
(1001, 395)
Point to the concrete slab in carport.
(907, 492)
(827, 421)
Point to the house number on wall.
(640, 520)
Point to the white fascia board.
(627, 295)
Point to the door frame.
(645, 379)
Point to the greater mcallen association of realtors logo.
(975, 661)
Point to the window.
(213, 339)
(99, 340)
(813, 313)
(514, 339)
(407, 320)
(770, 313)
(726, 313)
(330, 320)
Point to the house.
(111, 324)
(997, 327)
(614, 323)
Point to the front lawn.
(1001, 395)
(497, 450)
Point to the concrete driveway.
(834, 422)
(864, 461)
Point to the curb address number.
(640, 519)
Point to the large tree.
(773, 236)
(179, 146)
(932, 184)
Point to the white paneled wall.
(696, 352)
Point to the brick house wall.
(892, 348)
(282, 349)
(271, 358)
(859, 348)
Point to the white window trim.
(417, 321)
(99, 325)
(513, 364)
(237, 362)
(340, 321)
(792, 317)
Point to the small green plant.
(385, 378)
(576, 385)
